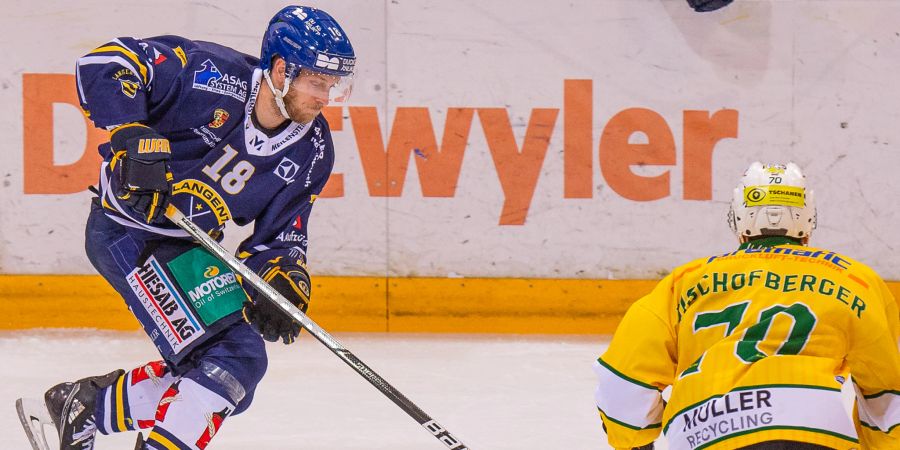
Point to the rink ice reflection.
(491, 391)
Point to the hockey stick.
(288, 308)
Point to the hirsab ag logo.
(172, 318)
(210, 79)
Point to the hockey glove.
(290, 280)
(708, 5)
(146, 182)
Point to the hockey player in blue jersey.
(223, 136)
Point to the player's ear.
(278, 68)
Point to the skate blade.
(33, 415)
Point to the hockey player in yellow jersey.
(757, 343)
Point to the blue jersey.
(200, 96)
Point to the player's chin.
(305, 115)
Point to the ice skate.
(33, 415)
(71, 409)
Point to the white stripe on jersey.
(78, 83)
(104, 423)
(718, 419)
(882, 412)
(147, 64)
(628, 403)
(111, 199)
(88, 60)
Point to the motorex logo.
(212, 286)
(209, 78)
(212, 289)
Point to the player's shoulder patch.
(209, 77)
(170, 50)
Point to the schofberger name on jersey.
(164, 305)
(719, 282)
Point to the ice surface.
(493, 392)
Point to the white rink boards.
(588, 86)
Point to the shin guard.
(130, 403)
(192, 410)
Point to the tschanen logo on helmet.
(755, 194)
(775, 196)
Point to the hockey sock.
(130, 403)
(188, 416)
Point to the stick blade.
(33, 415)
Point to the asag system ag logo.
(210, 79)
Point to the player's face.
(308, 94)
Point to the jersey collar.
(256, 140)
(769, 242)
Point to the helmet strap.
(279, 94)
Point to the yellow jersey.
(756, 345)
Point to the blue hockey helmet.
(309, 38)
